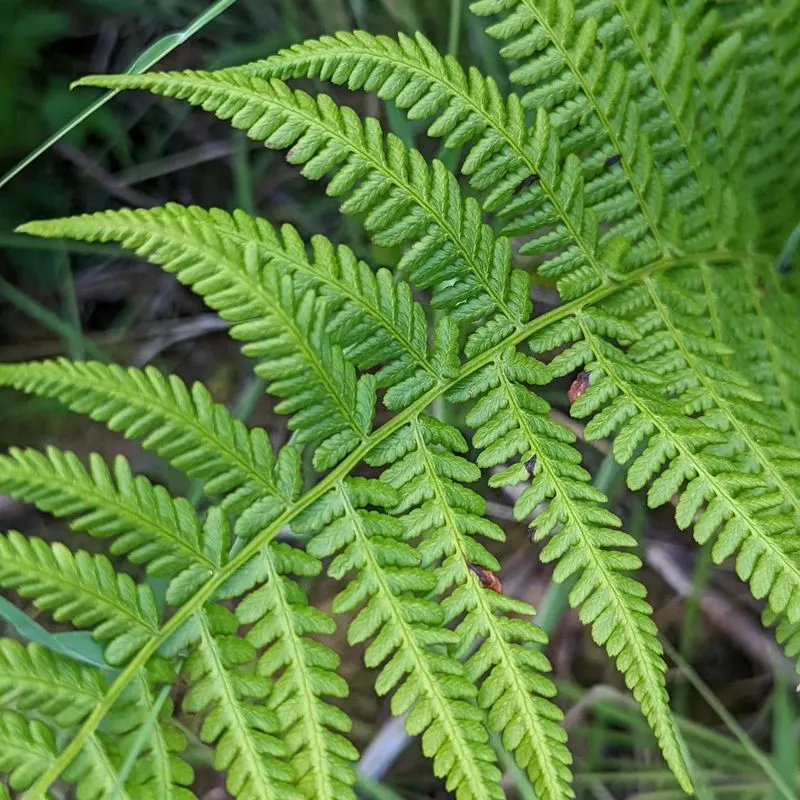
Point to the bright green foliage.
(646, 169)
(183, 425)
(81, 589)
(27, 748)
(148, 524)
(35, 678)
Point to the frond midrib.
(539, 739)
(157, 740)
(220, 575)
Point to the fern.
(643, 167)
(82, 589)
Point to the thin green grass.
(143, 62)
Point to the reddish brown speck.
(487, 578)
(578, 387)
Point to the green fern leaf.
(245, 747)
(237, 723)
(762, 338)
(199, 437)
(26, 749)
(94, 771)
(399, 197)
(282, 622)
(160, 771)
(584, 536)
(331, 409)
(148, 524)
(82, 589)
(32, 678)
(513, 692)
(467, 108)
(643, 168)
(186, 427)
(769, 40)
(405, 628)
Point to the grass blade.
(143, 62)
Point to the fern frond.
(591, 100)
(397, 194)
(504, 158)
(770, 41)
(273, 314)
(429, 476)
(184, 425)
(760, 325)
(238, 724)
(511, 421)
(160, 771)
(282, 622)
(742, 508)
(32, 678)
(640, 173)
(680, 342)
(94, 771)
(35, 681)
(307, 722)
(148, 525)
(26, 749)
(82, 589)
(372, 317)
(715, 57)
(657, 44)
(240, 728)
(405, 628)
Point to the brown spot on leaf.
(579, 386)
(487, 578)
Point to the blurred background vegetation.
(733, 692)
